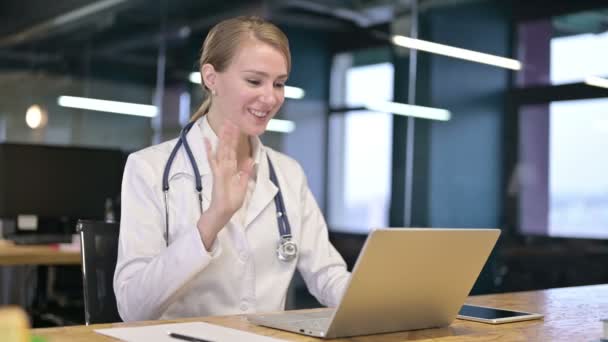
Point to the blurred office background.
(522, 147)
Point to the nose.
(269, 96)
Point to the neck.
(243, 150)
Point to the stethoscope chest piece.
(287, 250)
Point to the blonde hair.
(223, 41)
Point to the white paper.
(206, 331)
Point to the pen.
(187, 338)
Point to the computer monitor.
(58, 182)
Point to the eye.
(279, 85)
(253, 82)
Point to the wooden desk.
(11, 255)
(571, 314)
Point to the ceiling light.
(108, 106)
(294, 92)
(596, 81)
(282, 126)
(446, 50)
(409, 110)
(35, 117)
(195, 77)
(290, 92)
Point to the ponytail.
(202, 110)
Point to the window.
(563, 49)
(573, 58)
(578, 165)
(564, 188)
(360, 152)
(561, 166)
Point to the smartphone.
(493, 315)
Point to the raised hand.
(229, 183)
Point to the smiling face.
(251, 89)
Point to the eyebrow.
(261, 73)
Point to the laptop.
(404, 279)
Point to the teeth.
(258, 113)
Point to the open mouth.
(257, 113)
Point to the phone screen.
(488, 313)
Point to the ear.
(208, 75)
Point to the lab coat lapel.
(263, 193)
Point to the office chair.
(99, 249)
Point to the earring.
(213, 92)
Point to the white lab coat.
(242, 273)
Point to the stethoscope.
(287, 249)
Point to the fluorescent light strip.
(410, 110)
(195, 77)
(290, 92)
(294, 92)
(446, 50)
(275, 125)
(281, 126)
(596, 81)
(108, 106)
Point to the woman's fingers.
(230, 180)
(221, 153)
(228, 141)
(232, 132)
(248, 166)
(210, 156)
(245, 173)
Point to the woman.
(235, 247)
